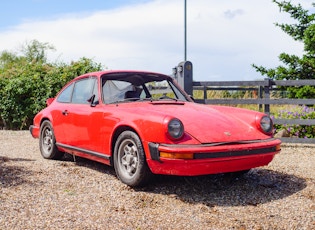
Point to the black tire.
(129, 160)
(47, 142)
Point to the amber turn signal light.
(177, 155)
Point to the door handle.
(65, 112)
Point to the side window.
(82, 91)
(65, 95)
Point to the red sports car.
(143, 123)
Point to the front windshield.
(115, 91)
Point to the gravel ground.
(44, 194)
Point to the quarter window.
(65, 95)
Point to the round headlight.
(266, 124)
(175, 128)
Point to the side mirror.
(92, 101)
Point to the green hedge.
(24, 87)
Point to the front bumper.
(211, 158)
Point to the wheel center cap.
(129, 159)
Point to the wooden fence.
(263, 89)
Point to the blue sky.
(224, 37)
(14, 12)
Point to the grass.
(220, 94)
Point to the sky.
(224, 38)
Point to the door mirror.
(92, 101)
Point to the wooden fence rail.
(263, 89)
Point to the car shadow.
(13, 175)
(94, 165)
(256, 187)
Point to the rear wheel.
(129, 160)
(47, 142)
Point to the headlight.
(175, 128)
(266, 124)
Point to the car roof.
(133, 76)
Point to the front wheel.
(47, 142)
(129, 160)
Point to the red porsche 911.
(143, 123)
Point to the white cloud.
(230, 14)
(224, 37)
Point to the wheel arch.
(46, 119)
(42, 121)
(47, 141)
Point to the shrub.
(23, 93)
(297, 112)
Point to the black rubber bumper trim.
(235, 153)
(154, 152)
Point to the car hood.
(209, 124)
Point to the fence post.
(260, 96)
(205, 94)
(267, 94)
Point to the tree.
(36, 51)
(295, 67)
(28, 79)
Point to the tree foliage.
(27, 79)
(295, 67)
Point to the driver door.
(84, 117)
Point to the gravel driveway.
(44, 194)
